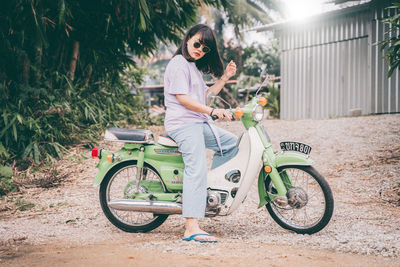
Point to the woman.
(187, 119)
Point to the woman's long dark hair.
(211, 62)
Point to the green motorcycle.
(141, 184)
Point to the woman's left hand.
(222, 114)
(230, 70)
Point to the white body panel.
(248, 161)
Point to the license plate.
(296, 146)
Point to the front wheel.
(309, 204)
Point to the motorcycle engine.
(214, 201)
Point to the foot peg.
(178, 198)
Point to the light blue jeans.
(192, 142)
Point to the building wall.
(332, 66)
(384, 91)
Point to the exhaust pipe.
(157, 207)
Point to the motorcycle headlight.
(258, 113)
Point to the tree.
(392, 40)
(244, 13)
(239, 14)
(62, 63)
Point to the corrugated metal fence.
(385, 92)
(332, 66)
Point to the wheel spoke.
(311, 211)
(119, 183)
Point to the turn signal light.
(238, 113)
(268, 169)
(262, 101)
(110, 157)
(96, 152)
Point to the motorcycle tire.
(293, 217)
(123, 219)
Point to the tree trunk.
(247, 97)
(26, 71)
(74, 59)
(38, 62)
(61, 57)
(228, 97)
(89, 70)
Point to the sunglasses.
(205, 49)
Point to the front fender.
(290, 158)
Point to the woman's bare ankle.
(192, 227)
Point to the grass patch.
(22, 205)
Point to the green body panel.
(264, 139)
(261, 189)
(140, 160)
(158, 156)
(291, 158)
(263, 195)
(247, 118)
(173, 177)
(169, 164)
(281, 183)
(269, 159)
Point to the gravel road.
(359, 157)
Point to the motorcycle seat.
(166, 140)
(129, 135)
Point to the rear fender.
(105, 166)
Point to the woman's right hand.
(222, 114)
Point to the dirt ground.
(124, 253)
(360, 158)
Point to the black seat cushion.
(131, 135)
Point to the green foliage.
(273, 101)
(245, 81)
(257, 57)
(6, 183)
(22, 205)
(6, 171)
(241, 13)
(41, 125)
(392, 39)
(63, 63)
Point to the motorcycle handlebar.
(215, 117)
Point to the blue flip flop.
(193, 237)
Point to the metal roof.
(321, 16)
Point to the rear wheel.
(118, 184)
(308, 207)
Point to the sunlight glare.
(301, 9)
